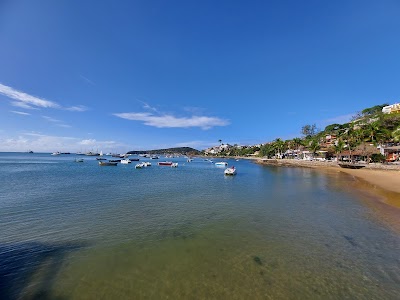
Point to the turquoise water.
(80, 231)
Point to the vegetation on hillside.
(178, 150)
(368, 127)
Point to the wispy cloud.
(148, 106)
(56, 122)
(79, 108)
(87, 80)
(20, 113)
(170, 121)
(24, 100)
(337, 120)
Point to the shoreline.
(379, 185)
(386, 177)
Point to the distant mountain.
(177, 150)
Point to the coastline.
(379, 185)
(386, 177)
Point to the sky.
(134, 75)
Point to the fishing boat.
(107, 163)
(221, 164)
(351, 166)
(230, 171)
(165, 163)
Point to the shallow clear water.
(80, 231)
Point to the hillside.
(177, 150)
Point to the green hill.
(177, 150)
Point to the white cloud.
(38, 142)
(337, 120)
(21, 105)
(169, 121)
(24, 100)
(79, 108)
(50, 119)
(20, 113)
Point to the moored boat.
(139, 166)
(78, 159)
(100, 158)
(174, 165)
(165, 163)
(230, 171)
(125, 161)
(221, 164)
(107, 163)
(351, 166)
(56, 153)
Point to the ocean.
(73, 230)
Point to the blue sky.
(128, 75)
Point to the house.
(391, 153)
(391, 109)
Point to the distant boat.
(79, 153)
(114, 160)
(30, 151)
(78, 159)
(230, 171)
(165, 163)
(174, 165)
(56, 153)
(90, 153)
(154, 157)
(146, 163)
(101, 153)
(100, 158)
(125, 161)
(107, 163)
(221, 164)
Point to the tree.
(309, 130)
(338, 148)
(314, 146)
(396, 134)
(366, 150)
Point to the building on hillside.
(391, 153)
(391, 109)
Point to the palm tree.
(314, 146)
(338, 148)
(396, 134)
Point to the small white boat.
(230, 171)
(146, 163)
(125, 161)
(56, 153)
(221, 164)
(139, 166)
(78, 159)
(174, 165)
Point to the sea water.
(73, 230)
